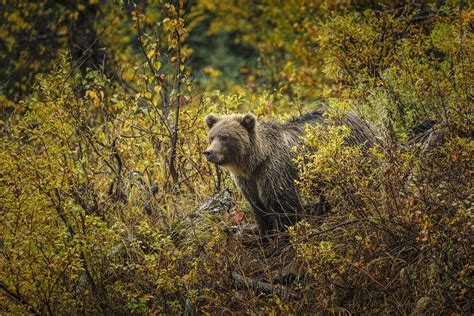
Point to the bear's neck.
(260, 149)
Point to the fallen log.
(264, 287)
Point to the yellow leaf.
(150, 53)
(94, 97)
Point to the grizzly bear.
(259, 155)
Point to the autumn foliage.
(103, 182)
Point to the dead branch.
(246, 282)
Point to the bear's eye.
(224, 138)
(211, 139)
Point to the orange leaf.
(239, 217)
(182, 100)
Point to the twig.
(163, 91)
(174, 139)
(20, 299)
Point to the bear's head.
(230, 138)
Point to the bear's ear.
(248, 121)
(211, 119)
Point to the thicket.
(102, 178)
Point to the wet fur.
(259, 156)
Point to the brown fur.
(259, 156)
